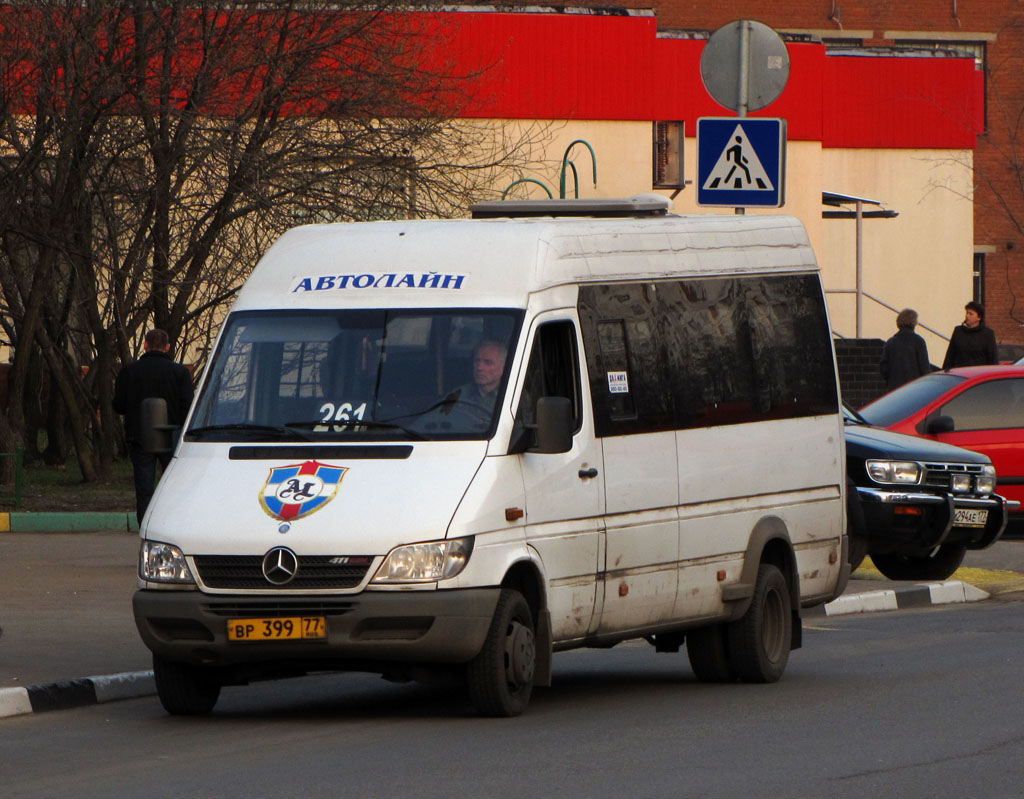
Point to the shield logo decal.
(300, 489)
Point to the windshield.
(850, 416)
(906, 400)
(357, 374)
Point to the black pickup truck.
(915, 505)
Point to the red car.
(975, 407)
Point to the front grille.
(316, 572)
(938, 475)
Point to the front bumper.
(365, 632)
(911, 522)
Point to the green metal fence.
(12, 495)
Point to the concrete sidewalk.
(68, 637)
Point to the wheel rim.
(520, 654)
(774, 625)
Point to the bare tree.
(150, 151)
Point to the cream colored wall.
(921, 259)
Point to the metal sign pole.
(743, 82)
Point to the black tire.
(858, 551)
(500, 677)
(904, 567)
(855, 526)
(708, 652)
(760, 641)
(185, 690)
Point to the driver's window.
(553, 371)
(997, 404)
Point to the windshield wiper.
(287, 431)
(346, 423)
(447, 403)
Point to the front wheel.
(500, 677)
(185, 690)
(938, 567)
(760, 640)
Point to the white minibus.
(457, 447)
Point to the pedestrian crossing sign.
(741, 161)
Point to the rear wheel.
(904, 567)
(500, 677)
(709, 654)
(759, 642)
(185, 690)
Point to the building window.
(979, 277)
(668, 155)
(950, 47)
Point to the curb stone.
(75, 693)
(917, 595)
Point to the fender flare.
(527, 575)
(770, 533)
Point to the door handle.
(587, 473)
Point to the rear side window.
(715, 352)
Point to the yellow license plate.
(280, 629)
(969, 517)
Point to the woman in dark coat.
(905, 355)
(972, 344)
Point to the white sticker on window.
(618, 383)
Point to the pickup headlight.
(425, 563)
(987, 480)
(163, 563)
(898, 472)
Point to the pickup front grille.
(315, 572)
(938, 475)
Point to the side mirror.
(940, 424)
(554, 425)
(154, 432)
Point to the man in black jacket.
(972, 344)
(905, 355)
(153, 375)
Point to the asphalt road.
(916, 703)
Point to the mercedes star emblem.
(280, 565)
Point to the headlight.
(986, 483)
(163, 563)
(903, 472)
(425, 563)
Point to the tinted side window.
(623, 336)
(993, 405)
(791, 346)
(709, 353)
(699, 353)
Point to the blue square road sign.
(741, 161)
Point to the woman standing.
(972, 344)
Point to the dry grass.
(50, 488)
